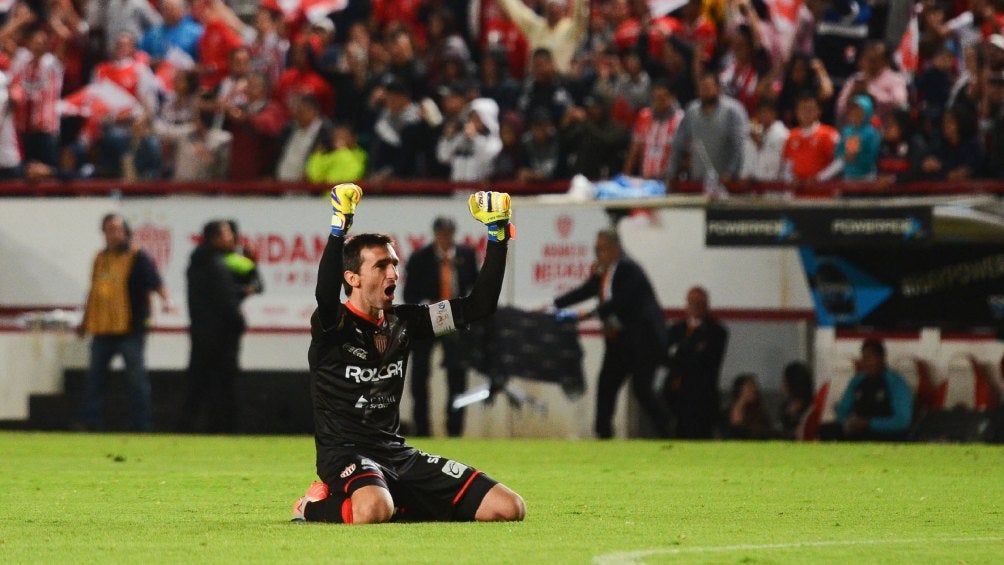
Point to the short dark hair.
(611, 235)
(212, 230)
(874, 345)
(125, 223)
(443, 223)
(352, 252)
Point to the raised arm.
(344, 198)
(494, 210)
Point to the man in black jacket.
(696, 348)
(439, 271)
(634, 332)
(216, 326)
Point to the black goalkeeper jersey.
(358, 363)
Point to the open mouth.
(389, 291)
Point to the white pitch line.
(628, 557)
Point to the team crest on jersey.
(348, 471)
(380, 341)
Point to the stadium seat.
(824, 405)
(918, 374)
(967, 384)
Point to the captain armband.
(441, 315)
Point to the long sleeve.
(846, 405)
(329, 281)
(484, 297)
(901, 398)
(524, 18)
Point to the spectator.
(177, 31)
(561, 34)
(696, 349)
(141, 156)
(857, 151)
(797, 391)
(803, 74)
(304, 132)
(301, 79)
(540, 146)
(877, 404)
(992, 122)
(176, 116)
(933, 87)
(876, 78)
(624, 81)
(743, 74)
(652, 138)
(36, 80)
(763, 151)
(396, 136)
(471, 150)
(109, 19)
(592, 143)
(841, 28)
(439, 271)
(233, 89)
(130, 72)
(810, 147)
(496, 83)
(711, 134)
(117, 315)
(956, 155)
(256, 127)
(445, 46)
(269, 47)
(10, 157)
(404, 65)
(747, 414)
(202, 153)
(634, 335)
(221, 35)
(343, 160)
(544, 88)
(510, 159)
(215, 331)
(901, 149)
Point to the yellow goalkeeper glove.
(493, 209)
(344, 199)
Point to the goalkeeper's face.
(377, 278)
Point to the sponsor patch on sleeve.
(442, 318)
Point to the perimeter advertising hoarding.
(831, 226)
(876, 267)
(952, 286)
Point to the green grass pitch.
(86, 498)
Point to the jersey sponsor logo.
(442, 318)
(357, 351)
(348, 471)
(370, 374)
(454, 469)
(377, 402)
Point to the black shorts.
(423, 486)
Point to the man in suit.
(696, 348)
(439, 271)
(633, 329)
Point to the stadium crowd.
(470, 90)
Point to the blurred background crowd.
(532, 90)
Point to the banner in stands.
(952, 286)
(830, 226)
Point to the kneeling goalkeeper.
(358, 356)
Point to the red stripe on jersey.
(464, 488)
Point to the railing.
(829, 189)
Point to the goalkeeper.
(358, 355)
